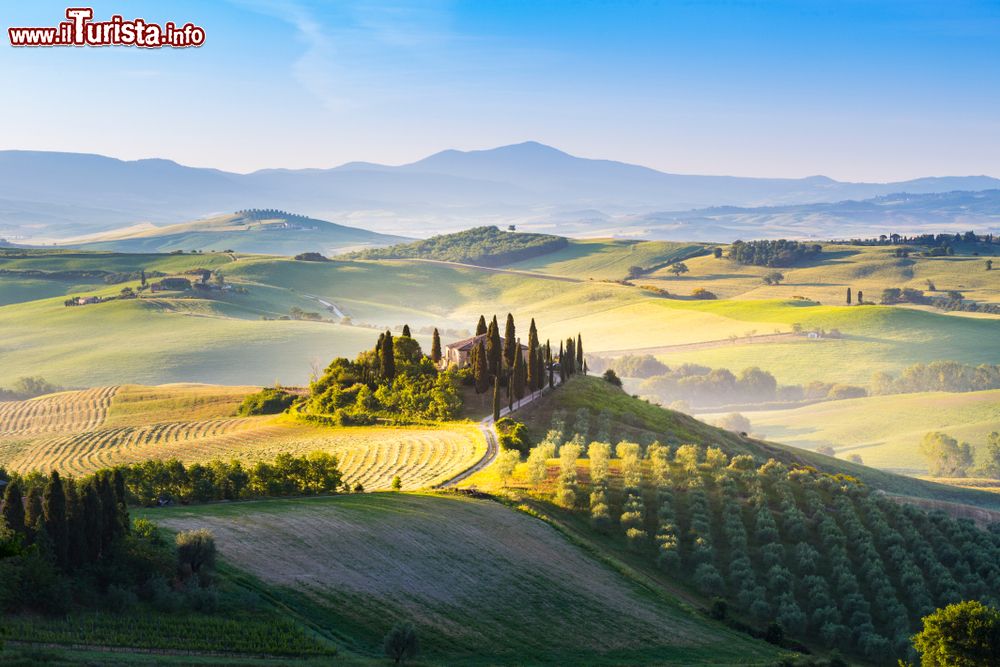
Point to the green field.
(483, 584)
(603, 259)
(884, 430)
(223, 338)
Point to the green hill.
(482, 246)
(884, 430)
(482, 584)
(260, 232)
(607, 259)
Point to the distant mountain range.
(263, 232)
(56, 195)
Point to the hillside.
(607, 413)
(884, 430)
(482, 246)
(482, 584)
(261, 232)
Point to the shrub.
(267, 401)
(513, 435)
(612, 378)
(703, 294)
(401, 643)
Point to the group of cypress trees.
(497, 362)
(73, 523)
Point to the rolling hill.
(260, 232)
(483, 585)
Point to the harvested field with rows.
(476, 578)
(80, 432)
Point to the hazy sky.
(856, 90)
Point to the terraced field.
(483, 584)
(79, 432)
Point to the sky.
(854, 90)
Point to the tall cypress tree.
(520, 373)
(387, 358)
(436, 347)
(13, 509)
(534, 368)
(54, 510)
(549, 364)
(510, 346)
(121, 501)
(496, 398)
(493, 348)
(861, 296)
(481, 369)
(406, 330)
(848, 296)
(109, 512)
(92, 521)
(481, 327)
(579, 354)
(570, 357)
(75, 526)
(562, 363)
(33, 510)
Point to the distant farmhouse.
(459, 352)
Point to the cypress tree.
(406, 330)
(75, 527)
(510, 346)
(493, 347)
(520, 373)
(92, 521)
(387, 358)
(436, 347)
(570, 359)
(13, 509)
(579, 354)
(33, 510)
(510, 394)
(548, 363)
(109, 513)
(562, 363)
(480, 370)
(496, 399)
(534, 369)
(54, 509)
(861, 296)
(848, 296)
(481, 327)
(121, 502)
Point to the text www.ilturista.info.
(81, 30)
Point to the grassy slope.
(635, 419)
(885, 430)
(483, 584)
(224, 340)
(602, 259)
(870, 269)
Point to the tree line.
(773, 253)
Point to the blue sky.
(854, 90)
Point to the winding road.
(489, 431)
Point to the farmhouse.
(459, 352)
